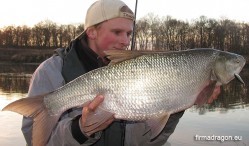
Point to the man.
(108, 25)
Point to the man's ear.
(91, 33)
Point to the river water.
(225, 122)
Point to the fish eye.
(237, 60)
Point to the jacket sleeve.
(41, 82)
(47, 78)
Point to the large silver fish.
(137, 86)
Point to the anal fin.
(96, 118)
(156, 125)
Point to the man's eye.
(129, 34)
(117, 32)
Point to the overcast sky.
(30, 12)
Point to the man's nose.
(125, 40)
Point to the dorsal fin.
(117, 56)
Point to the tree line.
(45, 34)
(151, 33)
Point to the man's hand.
(89, 108)
(215, 95)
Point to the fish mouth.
(239, 78)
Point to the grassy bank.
(22, 55)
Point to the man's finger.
(95, 103)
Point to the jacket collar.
(86, 55)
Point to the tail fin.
(43, 123)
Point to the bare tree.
(8, 36)
(1, 38)
(26, 36)
(38, 37)
(142, 32)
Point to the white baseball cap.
(103, 10)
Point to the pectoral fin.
(205, 94)
(156, 125)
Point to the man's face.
(112, 34)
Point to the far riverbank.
(26, 55)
